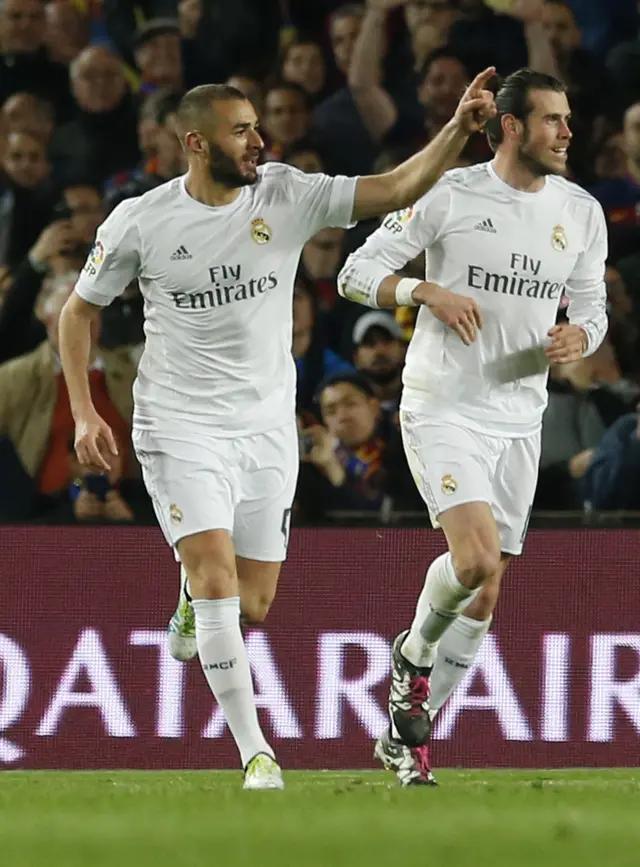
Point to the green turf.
(497, 818)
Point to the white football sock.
(442, 599)
(226, 666)
(457, 649)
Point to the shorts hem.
(261, 556)
(205, 529)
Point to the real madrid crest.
(448, 484)
(175, 514)
(260, 232)
(558, 239)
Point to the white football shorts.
(452, 465)
(244, 485)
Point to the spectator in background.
(148, 127)
(585, 398)
(66, 33)
(25, 160)
(314, 360)
(624, 314)
(631, 141)
(26, 196)
(613, 185)
(429, 23)
(251, 88)
(354, 460)
(612, 479)
(344, 27)
(158, 54)
(102, 137)
(60, 250)
(304, 158)
(165, 157)
(588, 89)
(26, 112)
(287, 119)
(303, 64)
(379, 352)
(322, 258)
(24, 65)
(36, 422)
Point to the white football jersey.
(218, 294)
(516, 254)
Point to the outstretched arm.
(391, 191)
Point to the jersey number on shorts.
(286, 526)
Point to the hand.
(87, 507)
(189, 14)
(322, 453)
(527, 11)
(116, 509)
(477, 105)
(56, 239)
(456, 311)
(568, 343)
(95, 444)
(579, 464)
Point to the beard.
(383, 377)
(224, 171)
(532, 163)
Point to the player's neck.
(516, 175)
(203, 189)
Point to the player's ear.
(195, 143)
(510, 126)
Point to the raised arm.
(375, 106)
(542, 57)
(404, 185)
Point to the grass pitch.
(474, 819)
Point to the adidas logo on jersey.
(486, 226)
(181, 253)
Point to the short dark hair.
(198, 101)
(512, 97)
(292, 87)
(357, 380)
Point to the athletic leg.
(209, 560)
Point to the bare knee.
(210, 564)
(475, 563)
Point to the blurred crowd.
(88, 96)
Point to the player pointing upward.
(504, 241)
(215, 253)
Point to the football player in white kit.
(215, 253)
(510, 237)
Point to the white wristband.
(403, 292)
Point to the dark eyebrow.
(558, 116)
(239, 126)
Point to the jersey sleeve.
(402, 236)
(586, 287)
(114, 260)
(321, 201)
